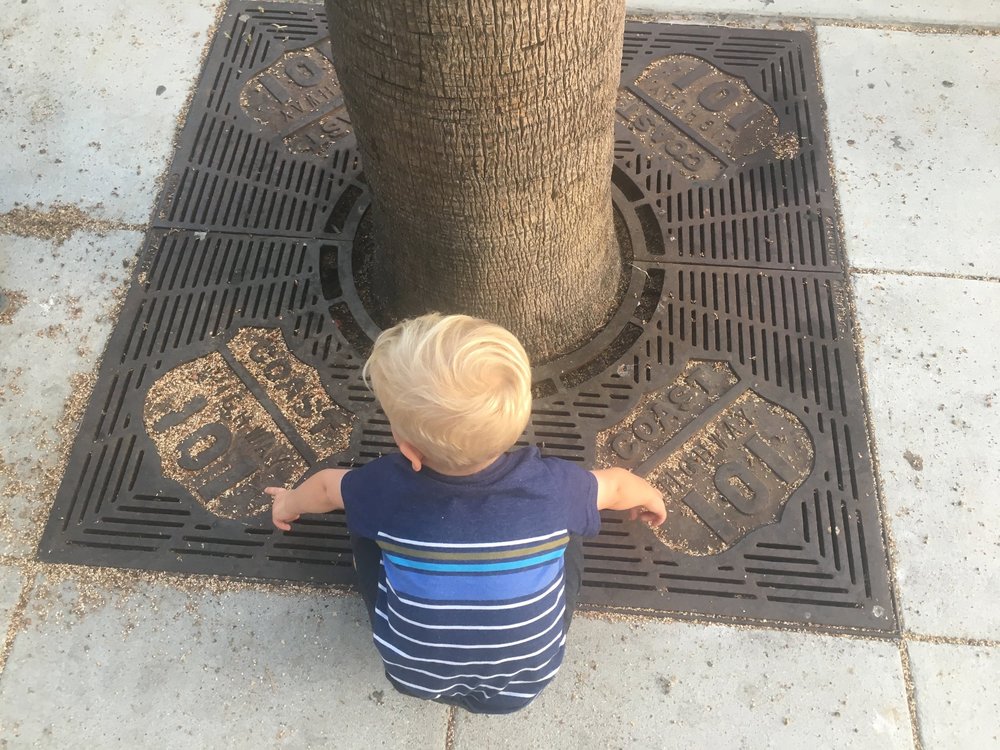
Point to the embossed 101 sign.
(701, 119)
(726, 459)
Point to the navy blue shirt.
(471, 601)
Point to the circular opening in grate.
(346, 275)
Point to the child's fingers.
(654, 517)
(273, 490)
(281, 524)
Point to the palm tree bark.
(486, 133)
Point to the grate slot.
(813, 602)
(110, 546)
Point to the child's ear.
(414, 456)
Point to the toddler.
(468, 556)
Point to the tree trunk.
(486, 134)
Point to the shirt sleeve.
(577, 487)
(361, 493)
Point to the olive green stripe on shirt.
(496, 555)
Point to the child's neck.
(465, 471)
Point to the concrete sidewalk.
(103, 658)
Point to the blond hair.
(457, 388)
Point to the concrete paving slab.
(957, 694)
(886, 11)
(932, 361)
(915, 147)
(657, 684)
(91, 97)
(141, 664)
(62, 301)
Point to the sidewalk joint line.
(16, 618)
(924, 274)
(911, 695)
(792, 21)
(948, 640)
(449, 730)
(914, 27)
(58, 222)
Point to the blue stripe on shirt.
(474, 567)
(471, 588)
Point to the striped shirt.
(471, 598)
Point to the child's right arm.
(320, 493)
(620, 489)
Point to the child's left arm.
(320, 493)
(620, 489)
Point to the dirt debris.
(786, 146)
(914, 460)
(12, 302)
(57, 223)
(52, 332)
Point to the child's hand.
(652, 511)
(620, 489)
(281, 513)
(320, 493)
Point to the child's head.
(457, 388)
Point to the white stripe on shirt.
(557, 621)
(498, 675)
(549, 676)
(513, 543)
(475, 627)
(520, 657)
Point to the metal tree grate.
(728, 376)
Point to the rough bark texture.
(486, 132)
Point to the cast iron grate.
(728, 376)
